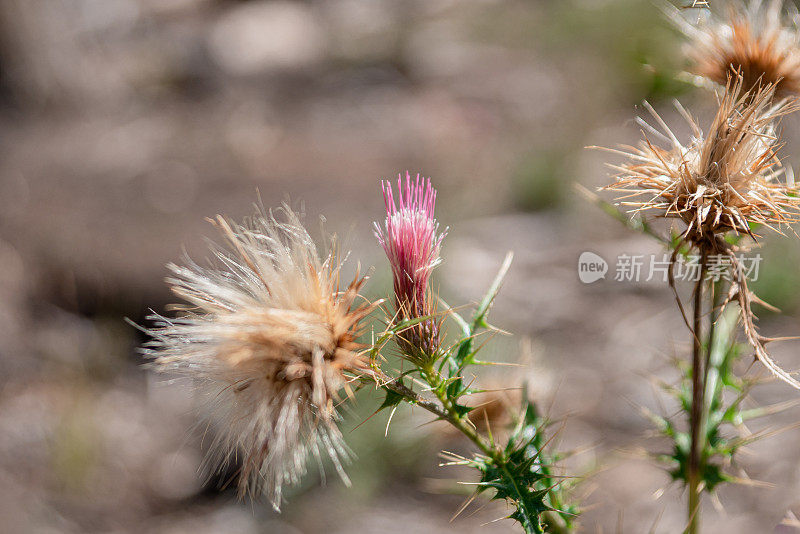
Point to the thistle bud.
(411, 239)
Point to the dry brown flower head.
(726, 179)
(755, 41)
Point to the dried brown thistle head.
(755, 41)
(270, 340)
(726, 179)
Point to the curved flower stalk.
(411, 239)
(270, 340)
(758, 40)
(518, 469)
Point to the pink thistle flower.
(411, 239)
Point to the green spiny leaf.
(392, 399)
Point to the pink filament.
(410, 238)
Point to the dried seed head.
(725, 179)
(411, 239)
(755, 41)
(269, 338)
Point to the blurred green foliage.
(74, 448)
(630, 39)
(779, 275)
(540, 181)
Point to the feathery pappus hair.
(270, 340)
(724, 179)
(758, 40)
(411, 239)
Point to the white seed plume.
(269, 339)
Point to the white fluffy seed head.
(269, 339)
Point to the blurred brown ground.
(125, 123)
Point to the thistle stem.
(698, 404)
(555, 523)
(456, 419)
(445, 412)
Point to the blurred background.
(124, 124)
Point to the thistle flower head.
(755, 41)
(411, 239)
(726, 179)
(270, 339)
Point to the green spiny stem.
(555, 522)
(711, 365)
(716, 291)
(413, 398)
(457, 420)
(718, 345)
(444, 411)
(447, 412)
(698, 405)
